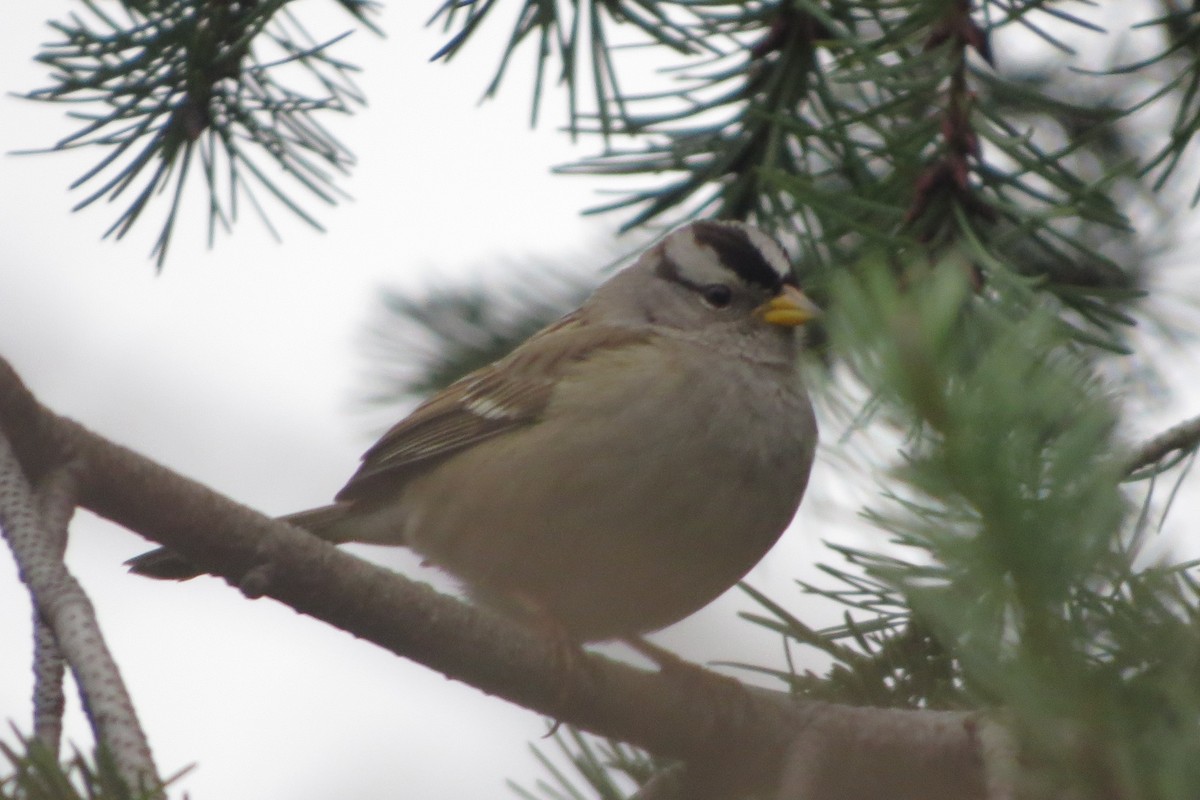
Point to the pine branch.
(1012, 543)
(849, 128)
(63, 606)
(37, 774)
(1183, 439)
(56, 495)
(419, 345)
(165, 86)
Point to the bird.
(622, 467)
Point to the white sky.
(238, 367)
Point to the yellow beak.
(790, 309)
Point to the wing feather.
(501, 397)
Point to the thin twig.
(1183, 437)
(56, 495)
(62, 603)
(49, 702)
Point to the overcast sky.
(238, 367)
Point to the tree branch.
(61, 603)
(734, 739)
(1183, 437)
(56, 500)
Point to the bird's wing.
(508, 394)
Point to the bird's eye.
(717, 295)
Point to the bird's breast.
(637, 499)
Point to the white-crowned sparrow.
(621, 468)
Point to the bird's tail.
(166, 564)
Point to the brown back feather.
(501, 397)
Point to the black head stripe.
(739, 255)
(665, 266)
